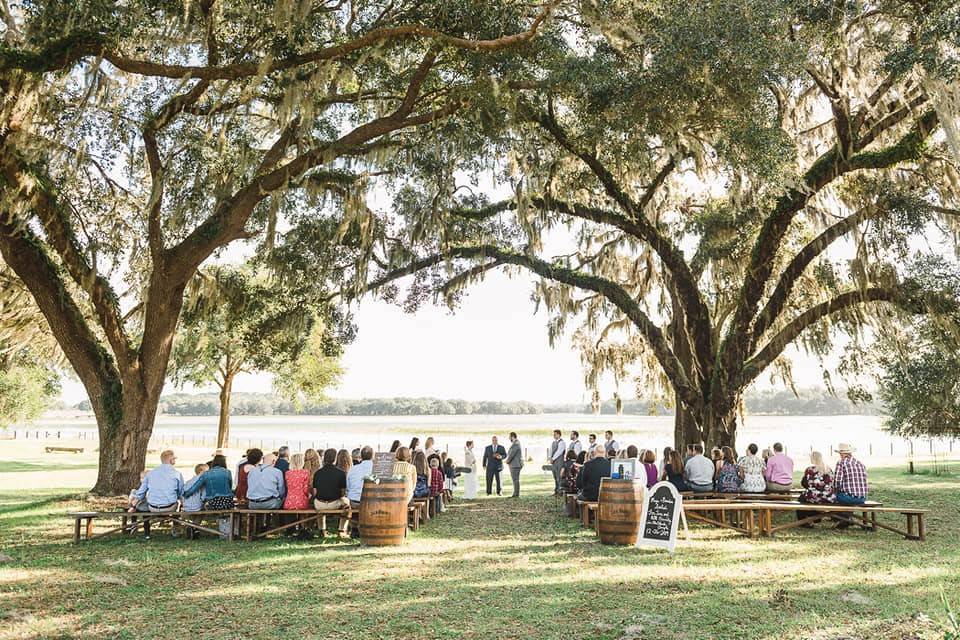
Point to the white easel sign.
(660, 517)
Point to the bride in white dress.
(470, 479)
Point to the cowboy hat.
(844, 447)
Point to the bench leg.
(873, 520)
(910, 527)
(89, 528)
(76, 530)
(921, 530)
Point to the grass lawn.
(487, 569)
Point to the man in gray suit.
(558, 450)
(515, 463)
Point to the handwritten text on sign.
(383, 464)
(660, 517)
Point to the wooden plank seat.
(131, 522)
(571, 507)
(756, 518)
(719, 495)
(250, 519)
(588, 512)
(63, 449)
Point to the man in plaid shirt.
(849, 480)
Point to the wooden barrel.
(618, 511)
(383, 512)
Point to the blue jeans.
(847, 499)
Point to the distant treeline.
(811, 402)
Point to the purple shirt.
(779, 469)
(651, 474)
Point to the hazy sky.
(493, 348)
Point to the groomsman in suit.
(515, 463)
(493, 457)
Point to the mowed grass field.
(491, 568)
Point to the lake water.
(798, 433)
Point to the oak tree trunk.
(223, 427)
(685, 428)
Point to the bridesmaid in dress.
(470, 479)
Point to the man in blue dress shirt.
(160, 491)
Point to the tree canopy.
(141, 138)
(700, 185)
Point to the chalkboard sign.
(660, 516)
(383, 464)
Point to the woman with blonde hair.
(817, 483)
(298, 482)
(344, 460)
(311, 461)
(403, 468)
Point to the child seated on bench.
(194, 502)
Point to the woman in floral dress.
(817, 482)
(751, 471)
(727, 479)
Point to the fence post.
(891, 448)
(871, 448)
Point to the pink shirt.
(779, 469)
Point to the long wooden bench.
(63, 449)
(243, 521)
(756, 518)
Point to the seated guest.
(817, 482)
(311, 462)
(779, 473)
(414, 445)
(716, 455)
(329, 490)
(422, 487)
(849, 480)
(751, 471)
(403, 468)
(592, 472)
(344, 460)
(633, 453)
(436, 483)
(241, 464)
(727, 479)
(265, 487)
(673, 471)
(283, 459)
(297, 481)
(664, 461)
(356, 475)
(689, 453)
(251, 460)
(355, 456)
(215, 485)
(394, 446)
(160, 490)
(569, 472)
(699, 472)
(194, 501)
(650, 465)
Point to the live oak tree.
(700, 185)
(138, 139)
(237, 321)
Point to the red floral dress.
(298, 489)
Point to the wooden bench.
(63, 449)
(753, 497)
(250, 519)
(587, 509)
(756, 518)
(131, 522)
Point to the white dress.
(470, 479)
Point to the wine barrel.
(383, 512)
(618, 511)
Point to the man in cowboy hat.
(849, 480)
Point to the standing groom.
(493, 457)
(515, 463)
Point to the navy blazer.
(495, 465)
